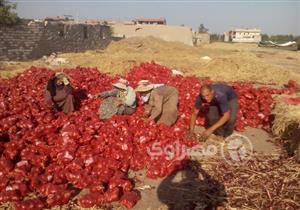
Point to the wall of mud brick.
(27, 41)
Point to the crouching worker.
(120, 100)
(161, 102)
(59, 93)
(222, 113)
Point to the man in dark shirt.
(223, 108)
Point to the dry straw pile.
(229, 62)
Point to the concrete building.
(164, 32)
(201, 38)
(226, 36)
(60, 18)
(157, 27)
(243, 35)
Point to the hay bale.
(286, 123)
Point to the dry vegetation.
(264, 182)
(229, 62)
(285, 115)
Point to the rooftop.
(151, 19)
(247, 29)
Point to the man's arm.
(63, 93)
(224, 107)
(130, 98)
(156, 106)
(193, 119)
(220, 122)
(48, 98)
(197, 107)
(108, 93)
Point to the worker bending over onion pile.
(120, 100)
(161, 102)
(59, 93)
(222, 112)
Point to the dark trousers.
(214, 114)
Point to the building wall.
(243, 35)
(201, 38)
(30, 41)
(165, 32)
(226, 37)
(246, 36)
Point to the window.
(85, 35)
(61, 33)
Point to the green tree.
(7, 14)
(297, 39)
(281, 38)
(264, 37)
(202, 29)
(216, 37)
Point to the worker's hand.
(149, 120)
(191, 135)
(206, 133)
(146, 114)
(118, 102)
(97, 95)
(49, 103)
(55, 109)
(146, 119)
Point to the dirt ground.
(226, 62)
(172, 188)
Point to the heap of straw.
(264, 182)
(286, 116)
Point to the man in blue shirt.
(223, 108)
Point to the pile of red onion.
(54, 155)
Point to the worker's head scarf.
(62, 77)
(121, 84)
